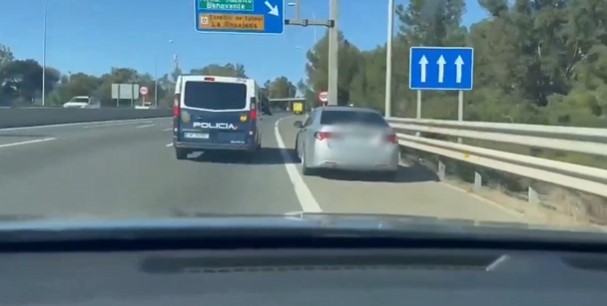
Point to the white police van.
(216, 113)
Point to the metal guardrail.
(591, 141)
(22, 117)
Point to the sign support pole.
(333, 55)
(388, 101)
(333, 51)
(419, 108)
(460, 110)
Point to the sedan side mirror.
(298, 124)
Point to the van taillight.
(253, 114)
(208, 79)
(176, 108)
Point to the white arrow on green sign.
(226, 5)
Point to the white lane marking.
(145, 126)
(305, 197)
(14, 144)
(104, 125)
(166, 130)
(168, 145)
(81, 123)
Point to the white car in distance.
(82, 102)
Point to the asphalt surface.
(129, 170)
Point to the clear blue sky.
(93, 36)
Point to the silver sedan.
(347, 138)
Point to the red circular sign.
(323, 96)
(143, 90)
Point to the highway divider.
(23, 117)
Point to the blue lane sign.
(441, 68)
(240, 16)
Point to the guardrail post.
(442, 169)
(478, 181)
(532, 196)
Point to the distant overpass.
(287, 103)
(287, 100)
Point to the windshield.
(215, 95)
(476, 110)
(80, 100)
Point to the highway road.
(128, 170)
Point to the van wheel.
(181, 154)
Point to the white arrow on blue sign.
(240, 16)
(441, 68)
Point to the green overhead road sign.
(226, 5)
(240, 16)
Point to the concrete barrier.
(21, 117)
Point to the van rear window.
(215, 95)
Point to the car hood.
(297, 224)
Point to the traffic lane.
(129, 172)
(227, 183)
(30, 135)
(76, 127)
(415, 192)
(68, 142)
(49, 178)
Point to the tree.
(317, 68)
(23, 80)
(227, 70)
(79, 84)
(6, 57)
(264, 90)
(281, 87)
(116, 76)
(535, 62)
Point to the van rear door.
(216, 113)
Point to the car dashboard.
(305, 277)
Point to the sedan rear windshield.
(352, 117)
(215, 95)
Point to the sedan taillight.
(323, 135)
(392, 138)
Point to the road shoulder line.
(305, 197)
